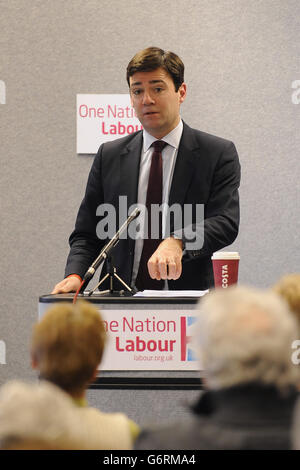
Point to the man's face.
(155, 101)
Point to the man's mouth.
(148, 113)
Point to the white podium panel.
(143, 333)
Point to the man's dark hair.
(152, 58)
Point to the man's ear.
(182, 92)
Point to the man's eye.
(136, 92)
(158, 89)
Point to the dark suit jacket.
(207, 171)
(246, 417)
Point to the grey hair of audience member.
(37, 416)
(244, 335)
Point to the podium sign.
(149, 339)
(144, 334)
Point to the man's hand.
(70, 284)
(165, 263)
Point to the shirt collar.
(173, 138)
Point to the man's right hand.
(70, 284)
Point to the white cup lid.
(226, 255)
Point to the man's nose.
(147, 98)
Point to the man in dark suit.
(191, 169)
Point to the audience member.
(67, 347)
(38, 417)
(288, 287)
(245, 338)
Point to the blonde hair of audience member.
(37, 417)
(288, 287)
(245, 336)
(67, 346)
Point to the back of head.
(67, 345)
(245, 336)
(153, 58)
(37, 416)
(288, 287)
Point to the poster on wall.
(101, 118)
(149, 340)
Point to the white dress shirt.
(169, 155)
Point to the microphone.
(107, 249)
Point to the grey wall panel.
(241, 59)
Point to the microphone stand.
(103, 256)
(112, 275)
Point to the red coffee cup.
(226, 268)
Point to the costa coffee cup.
(226, 268)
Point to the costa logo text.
(225, 276)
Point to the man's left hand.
(165, 263)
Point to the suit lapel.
(184, 167)
(129, 176)
(129, 169)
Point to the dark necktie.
(154, 196)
